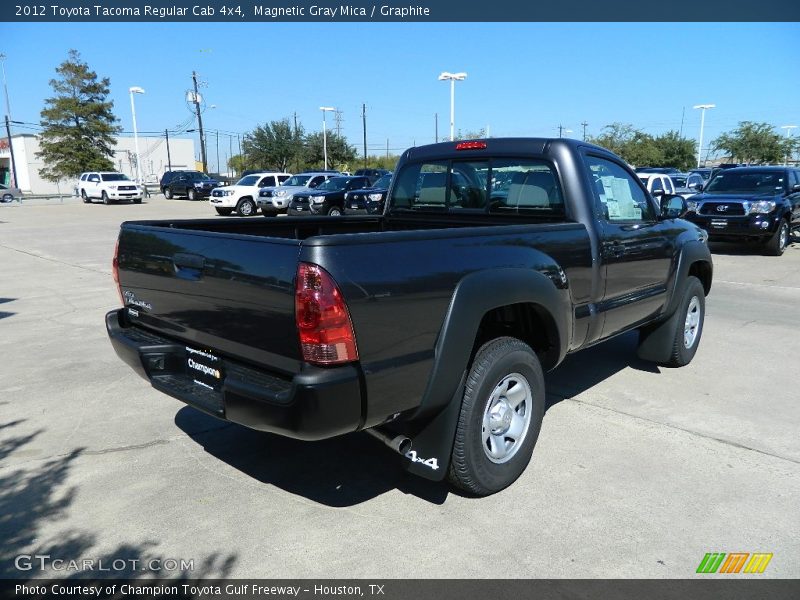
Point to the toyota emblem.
(722, 208)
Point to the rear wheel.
(224, 211)
(334, 211)
(192, 194)
(104, 198)
(501, 415)
(778, 242)
(168, 193)
(245, 208)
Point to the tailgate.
(229, 293)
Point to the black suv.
(372, 174)
(192, 184)
(760, 204)
(327, 198)
(370, 200)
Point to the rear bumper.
(315, 404)
(754, 227)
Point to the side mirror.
(696, 187)
(673, 206)
(796, 187)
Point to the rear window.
(497, 186)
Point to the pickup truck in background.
(428, 326)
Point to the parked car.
(662, 170)
(275, 200)
(657, 184)
(9, 194)
(327, 198)
(756, 204)
(192, 184)
(428, 327)
(372, 174)
(241, 197)
(108, 186)
(704, 172)
(687, 184)
(370, 200)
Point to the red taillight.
(115, 271)
(323, 321)
(471, 146)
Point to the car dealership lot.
(638, 472)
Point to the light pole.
(703, 108)
(452, 78)
(13, 179)
(136, 90)
(325, 110)
(788, 129)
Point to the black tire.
(167, 193)
(85, 198)
(268, 214)
(104, 198)
(137, 200)
(778, 242)
(224, 211)
(191, 194)
(503, 359)
(7, 198)
(246, 208)
(334, 211)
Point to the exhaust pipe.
(398, 443)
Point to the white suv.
(108, 186)
(242, 196)
(273, 201)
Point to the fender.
(692, 251)
(432, 427)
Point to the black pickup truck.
(428, 326)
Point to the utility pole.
(436, 125)
(241, 158)
(337, 115)
(199, 122)
(216, 132)
(169, 158)
(560, 129)
(585, 125)
(683, 114)
(229, 168)
(387, 147)
(13, 180)
(364, 121)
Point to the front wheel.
(7, 198)
(501, 415)
(245, 208)
(191, 194)
(334, 211)
(85, 198)
(168, 193)
(104, 198)
(778, 242)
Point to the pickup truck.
(428, 326)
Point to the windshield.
(249, 180)
(679, 180)
(115, 177)
(334, 184)
(297, 180)
(383, 182)
(761, 182)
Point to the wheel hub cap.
(500, 417)
(506, 418)
(692, 323)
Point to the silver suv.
(275, 200)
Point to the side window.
(265, 181)
(524, 186)
(94, 178)
(83, 177)
(794, 179)
(282, 178)
(657, 186)
(670, 187)
(618, 197)
(421, 185)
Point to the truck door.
(636, 249)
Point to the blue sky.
(523, 78)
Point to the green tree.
(471, 135)
(614, 137)
(676, 151)
(753, 143)
(340, 153)
(78, 123)
(237, 163)
(274, 145)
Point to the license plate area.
(719, 223)
(204, 368)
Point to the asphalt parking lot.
(639, 471)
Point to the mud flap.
(655, 341)
(432, 441)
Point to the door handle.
(189, 266)
(615, 249)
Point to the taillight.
(323, 321)
(471, 146)
(115, 271)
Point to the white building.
(153, 152)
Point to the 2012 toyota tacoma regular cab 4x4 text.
(428, 326)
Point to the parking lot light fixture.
(325, 110)
(788, 129)
(703, 108)
(452, 78)
(135, 90)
